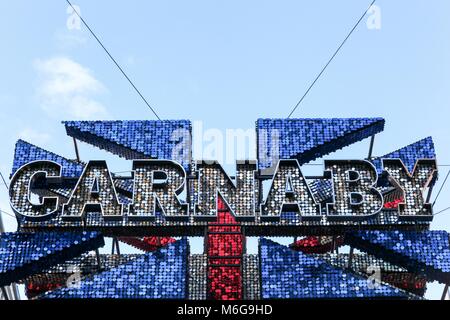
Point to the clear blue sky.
(226, 64)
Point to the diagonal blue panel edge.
(288, 274)
(137, 139)
(25, 254)
(423, 252)
(160, 274)
(422, 149)
(26, 152)
(309, 139)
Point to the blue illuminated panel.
(156, 275)
(309, 139)
(422, 149)
(26, 152)
(24, 254)
(167, 139)
(287, 274)
(425, 252)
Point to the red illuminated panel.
(225, 248)
(33, 289)
(406, 281)
(393, 204)
(225, 245)
(225, 283)
(317, 244)
(147, 244)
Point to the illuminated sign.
(164, 195)
(379, 206)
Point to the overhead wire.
(440, 189)
(331, 59)
(4, 181)
(7, 213)
(113, 60)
